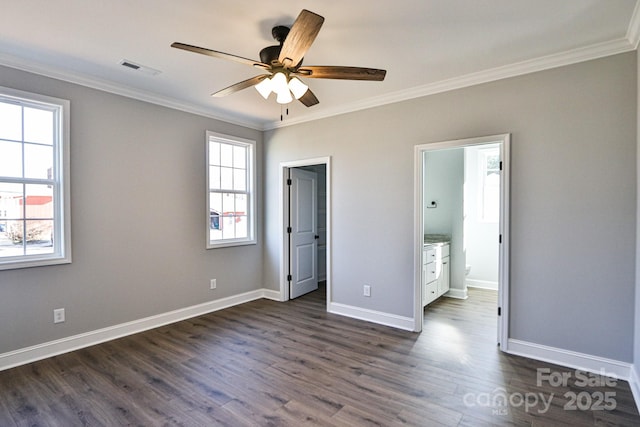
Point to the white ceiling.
(426, 46)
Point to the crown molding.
(600, 50)
(633, 31)
(117, 89)
(573, 56)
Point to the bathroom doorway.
(462, 199)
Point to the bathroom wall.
(480, 237)
(443, 183)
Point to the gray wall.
(138, 206)
(443, 182)
(573, 197)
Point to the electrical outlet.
(212, 284)
(367, 290)
(58, 315)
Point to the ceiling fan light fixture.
(284, 97)
(264, 87)
(297, 87)
(279, 83)
(284, 62)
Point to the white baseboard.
(634, 384)
(571, 359)
(482, 284)
(271, 294)
(395, 321)
(52, 348)
(457, 293)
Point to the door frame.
(504, 140)
(308, 237)
(284, 220)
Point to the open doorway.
(461, 197)
(305, 218)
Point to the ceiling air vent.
(140, 68)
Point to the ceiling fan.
(283, 63)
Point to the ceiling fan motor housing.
(270, 54)
(282, 62)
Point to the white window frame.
(251, 191)
(60, 180)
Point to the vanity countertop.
(436, 239)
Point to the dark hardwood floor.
(277, 364)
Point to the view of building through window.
(29, 189)
(230, 191)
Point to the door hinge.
(499, 311)
(289, 230)
(289, 278)
(500, 165)
(289, 182)
(500, 238)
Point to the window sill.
(231, 243)
(33, 262)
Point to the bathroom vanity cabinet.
(435, 271)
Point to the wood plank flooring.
(266, 363)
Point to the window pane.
(228, 204)
(214, 177)
(239, 157)
(226, 155)
(215, 234)
(228, 227)
(11, 123)
(39, 237)
(241, 204)
(242, 226)
(228, 211)
(10, 201)
(10, 158)
(11, 233)
(38, 125)
(214, 153)
(215, 202)
(39, 203)
(493, 162)
(38, 161)
(226, 178)
(10, 225)
(239, 180)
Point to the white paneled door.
(303, 238)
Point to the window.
(230, 195)
(490, 184)
(34, 184)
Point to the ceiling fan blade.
(240, 85)
(343, 73)
(309, 99)
(220, 55)
(302, 34)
